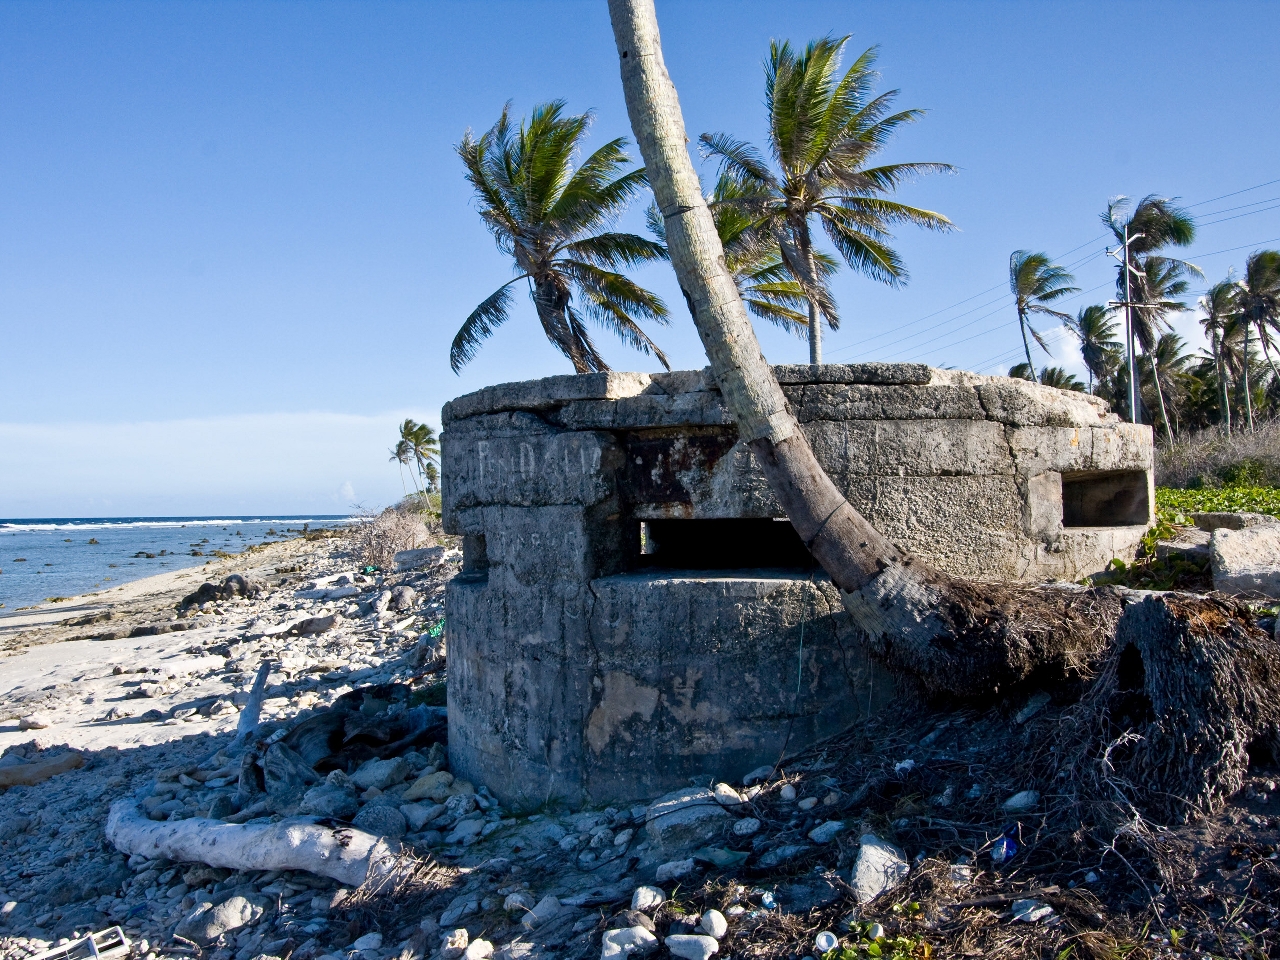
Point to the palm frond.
(478, 327)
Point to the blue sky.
(235, 241)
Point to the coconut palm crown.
(1096, 331)
(552, 219)
(824, 130)
(768, 289)
(1035, 282)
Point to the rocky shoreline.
(909, 834)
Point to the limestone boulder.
(1247, 560)
(686, 818)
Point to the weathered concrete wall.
(577, 674)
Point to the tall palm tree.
(767, 287)
(552, 219)
(1152, 225)
(824, 129)
(1099, 347)
(418, 447)
(1220, 306)
(1260, 310)
(1168, 357)
(1035, 283)
(1161, 281)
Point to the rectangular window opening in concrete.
(735, 544)
(1115, 498)
(475, 558)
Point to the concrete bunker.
(635, 611)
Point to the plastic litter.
(106, 944)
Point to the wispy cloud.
(272, 462)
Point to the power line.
(1239, 215)
(1006, 298)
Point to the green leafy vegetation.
(1176, 506)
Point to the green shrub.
(1177, 505)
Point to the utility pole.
(1128, 304)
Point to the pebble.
(455, 944)
(674, 869)
(478, 950)
(628, 940)
(370, 941)
(518, 902)
(757, 775)
(787, 793)
(808, 803)
(726, 796)
(713, 924)
(692, 946)
(826, 832)
(1022, 802)
(746, 827)
(647, 898)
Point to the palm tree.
(824, 128)
(1220, 306)
(419, 447)
(1260, 310)
(1160, 281)
(766, 286)
(1154, 224)
(1169, 358)
(551, 219)
(1049, 377)
(1035, 283)
(1099, 347)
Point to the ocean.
(60, 557)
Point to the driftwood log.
(345, 854)
(29, 774)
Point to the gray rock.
(455, 944)
(1022, 801)
(1247, 561)
(826, 832)
(780, 855)
(1209, 522)
(330, 800)
(381, 819)
(674, 869)
(629, 940)
(758, 775)
(207, 922)
(692, 946)
(726, 796)
(370, 941)
(880, 867)
(746, 827)
(420, 814)
(402, 598)
(547, 908)
(465, 831)
(787, 793)
(714, 924)
(631, 918)
(685, 818)
(462, 906)
(648, 898)
(418, 559)
(381, 773)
